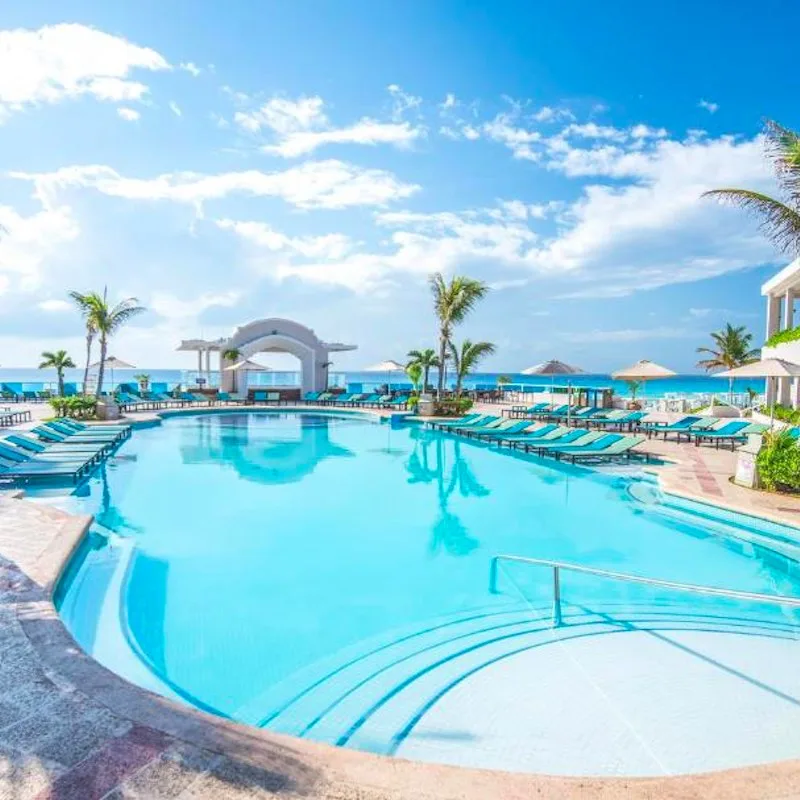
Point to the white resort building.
(780, 291)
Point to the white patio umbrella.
(552, 368)
(246, 365)
(111, 363)
(389, 366)
(643, 371)
(769, 368)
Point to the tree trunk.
(102, 369)
(89, 338)
(425, 378)
(61, 383)
(442, 353)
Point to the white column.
(785, 391)
(199, 362)
(788, 309)
(208, 365)
(773, 315)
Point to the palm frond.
(779, 222)
(783, 149)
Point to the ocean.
(35, 379)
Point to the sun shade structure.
(643, 371)
(247, 364)
(111, 363)
(389, 366)
(552, 368)
(769, 368)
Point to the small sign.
(746, 474)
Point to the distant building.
(780, 291)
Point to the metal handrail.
(557, 566)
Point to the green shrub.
(786, 414)
(77, 407)
(452, 406)
(779, 462)
(781, 337)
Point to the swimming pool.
(328, 577)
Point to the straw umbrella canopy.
(111, 363)
(552, 368)
(643, 371)
(389, 366)
(247, 365)
(769, 368)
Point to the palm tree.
(780, 219)
(86, 303)
(426, 359)
(732, 350)
(452, 302)
(233, 354)
(106, 320)
(467, 357)
(414, 372)
(59, 361)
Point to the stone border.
(322, 771)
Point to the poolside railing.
(558, 566)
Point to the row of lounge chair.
(9, 417)
(356, 400)
(699, 429)
(58, 450)
(546, 438)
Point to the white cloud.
(328, 247)
(55, 306)
(175, 109)
(179, 309)
(64, 61)
(313, 184)
(128, 114)
(284, 116)
(301, 126)
(28, 242)
(191, 68)
(550, 114)
(365, 132)
(402, 102)
(712, 108)
(450, 101)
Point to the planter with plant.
(779, 462)
(144, 382)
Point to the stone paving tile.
(167, 777)
(63, 732)
(97, 775)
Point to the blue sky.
(228, 161)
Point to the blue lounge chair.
(507, 428)
(565, 438)
(729, 433)
(609, 445)
(62, 451)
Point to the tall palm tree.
(106, 321)
(452, 302)
(467, 357)
(732, 350)
(780, 219)
(59, 361)
(426, 359)
(85, 303)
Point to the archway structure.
(275, 335)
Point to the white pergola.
(780, 292)
(204, 347)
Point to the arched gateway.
(274, 335)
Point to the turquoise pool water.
(329, 577)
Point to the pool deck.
(72, 730)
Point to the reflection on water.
(286, 455)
